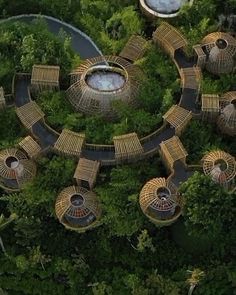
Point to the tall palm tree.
(3, 223)
(196, 276)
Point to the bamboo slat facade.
(210, 107)
(127, 147)
(77, 208)
(70, 143)
(190, 78)
(93, 101)
(169, 38)
(2, 99)
(220, 166)
(227, 119)
(30, 146)
(45, 77)
(171, 151)
(178, 118)
(220, 49)
(29, 114)
(86, 173)
(134, 49)
(160, 201)
(15, 169)
(200, 55)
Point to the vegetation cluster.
(127, 254)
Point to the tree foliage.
(126, 254)
(23, 45)
(207, 140)
(208, 207)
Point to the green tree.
(11, 131)
(28, 52)
(26, 45)
(120, 27)
(4, 222)
(145, 242)
(162, 285)
(207, 139)
(196, 276)
(167, 100)
(208, 207)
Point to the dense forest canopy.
(127, 254)
(23, 45)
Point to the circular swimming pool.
(105, 78)
(165, 6)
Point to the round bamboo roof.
(159, 200)
(220, 165)
(77, 208)
(15, 169)
(227, 119)
(221, 50)
(100, 81)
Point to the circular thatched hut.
(101, 81)
(220, 49)
(77, 208)
(160, 201)
(15, 169)
(220, 166)
(227, 118)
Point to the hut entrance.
(234, 102)
(85, 184)
(77, 200)
(221, 164)
(12, 162)
(221, 43)
(163, 193)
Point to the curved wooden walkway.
(102, 153)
